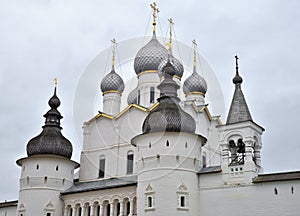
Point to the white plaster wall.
(112, 139)
(8, 211)
(41, 183)
(255, 199)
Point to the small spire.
(195, 53)
(237, 79)
(169, 45)
(155, 12)
(114, 44)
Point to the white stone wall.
(258, 199)
(43, 177)
(8, 211)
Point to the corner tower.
(240, 139)
(168, 153)
(47, 170)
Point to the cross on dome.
(155, 12)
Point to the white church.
(163, 154)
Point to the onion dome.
(194, 84)
(132, 97)
(168, 115)
(112, 82)
(50, 140)
(175, 62)
(150, 56)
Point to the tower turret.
(48, 169)
(168, 155)
(240, 139)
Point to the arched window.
(48, 214)
(151, 95)
(130, 157)
(101, 166)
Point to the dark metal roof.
(168, 115)
(51, 140)
(239, 110)
(79, 187)
(285, 176)
(211, 169)
(8, 203)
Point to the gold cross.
(195, 47)
(155, 12)
(114, 43)
(170, 39)
(55, 82)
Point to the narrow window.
(167, 144)
(128, 208)
(139, 97)
(98, 210)
(102, 167)
(204, 160)
(292, 190)
(56, 168)
(275, 191)
(182, 201)
(108, 210)
(37, 166)
(149, 144)
(151, 94)
(45, 180)
(89, 211)
(186, 145)
(79, 211)
(71, 212)
(149, 202)
(118, 208)
(130, 162)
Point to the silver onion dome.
(150, 56)
(112, 82)
(178, 67)
(195, 83)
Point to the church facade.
(161, 155)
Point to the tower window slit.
(152, 95)
(102, 167)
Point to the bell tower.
(240, 140)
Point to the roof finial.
(237, 79)
(236, 65)
(169, 45)
(195, 52)
(114, 44)
(55, 82)
(155, 12)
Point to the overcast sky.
(44, 39)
